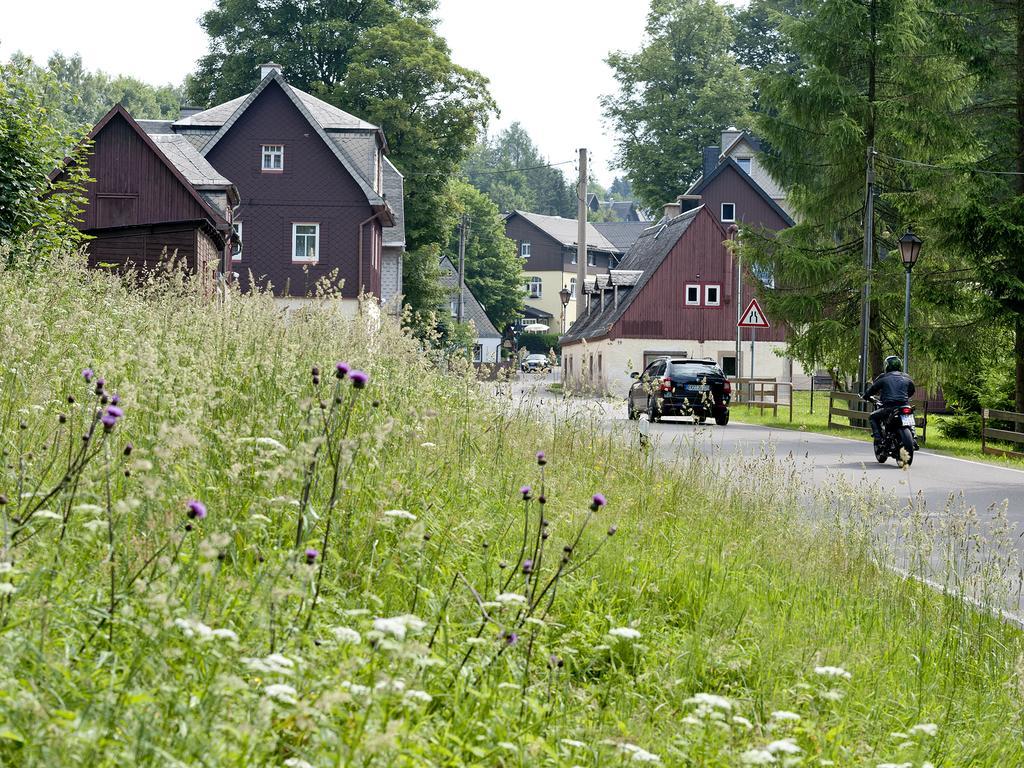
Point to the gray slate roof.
(473, 309)
(326, 116)
(645, 257)
(394, 193)
(565, 231)
(193, 166)
(152, 127)
(622, 234)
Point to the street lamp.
(910, 249)
(564, 295)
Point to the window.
(455, 307)
(729, 365)
(744, 164)
(573, 259)
(273, 157)
(572, 287)
(478, 353)
(535, 288)
(524, 249)
(765, 275)
(692, 295)
(712, 295)
(592, 259)
(306, 243)
(728, 211)
(236, 248)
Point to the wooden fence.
(858, 410)
(1013, 435)
(762, 393)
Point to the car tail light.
(728, 387)
(906, 409)
(666, 384)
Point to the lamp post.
(564, 295)
(910, 249)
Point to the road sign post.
(753, 317)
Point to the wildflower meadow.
(238, 537)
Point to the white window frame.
(316, 248)
(524, 249)
(707, 295)
(270, 152)
(572, 288)
(745, 160)
(686, 296)
(478, 353)
(454, 306)
(573, 259)
(237, 255)
(591, 259)
(733, 217)
(535, 287)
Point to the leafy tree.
(621, 189)
(512, 172)
(36, 215)
(865, 73)
(76, 98)
(494, 271)
(675, 96)
(759, 42)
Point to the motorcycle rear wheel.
(907, 445)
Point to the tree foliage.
(494, 271)
(510, 170)
(675, 96)
(36, 215)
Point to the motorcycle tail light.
(906, 410)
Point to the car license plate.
(698, 387)
(908, 419)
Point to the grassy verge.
(389, 575)
(817, 421)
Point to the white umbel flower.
(399, 514)
(710, 700)
(6, 588)
(510, 598)
(280, 692)
(639, 754)
(832, 672)
(783, 716)
(785, 746)
(294, 762)
(757, 757)
(627, 633)
(927, 729)
(347, 635)
(398, 626)
(418, 697)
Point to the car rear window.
(694, 369)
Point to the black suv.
(681, 387)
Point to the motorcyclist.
(894, 389)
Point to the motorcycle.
(899, 435)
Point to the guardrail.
(755, 393)
(1009, 436)
(862, 410)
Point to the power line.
(950, 169)
(503, 170)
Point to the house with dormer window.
(317, 202)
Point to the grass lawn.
(251, 563)
(818, 422)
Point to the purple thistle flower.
(341, 369)
(541, 458)
(511, 638)
(598, 501)
(525, 490)
(527, 567)
(113, 410)
(311, 555)
(359, 379)
(108, 422)
(196, 509)
(115, 399)
(87, 375)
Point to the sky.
(544, 58)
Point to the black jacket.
(894, 388)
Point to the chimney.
(711, 155)
(688, 202)
(729, 135)
(672, 210)
(187, 110)
(266, 69)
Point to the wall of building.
(144, 248)
(490, 350)
(751, 208)
(760, 174)
(313, 188)
(612, 360)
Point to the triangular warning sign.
(753, 317)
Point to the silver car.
(535, 363)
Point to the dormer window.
(591, 259)
(524, 249)
(273, 157)
(744, 164)
(728, 211)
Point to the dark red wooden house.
(153, 199)
(673, 293)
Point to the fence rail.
(755, 393)
(861, 411)
(1009, 436)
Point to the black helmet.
(893, 363)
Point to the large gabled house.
(548, 248)
(318, 203)
(673, 293)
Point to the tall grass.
(448, 616)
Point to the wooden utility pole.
(461, 311)
(581, 237)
